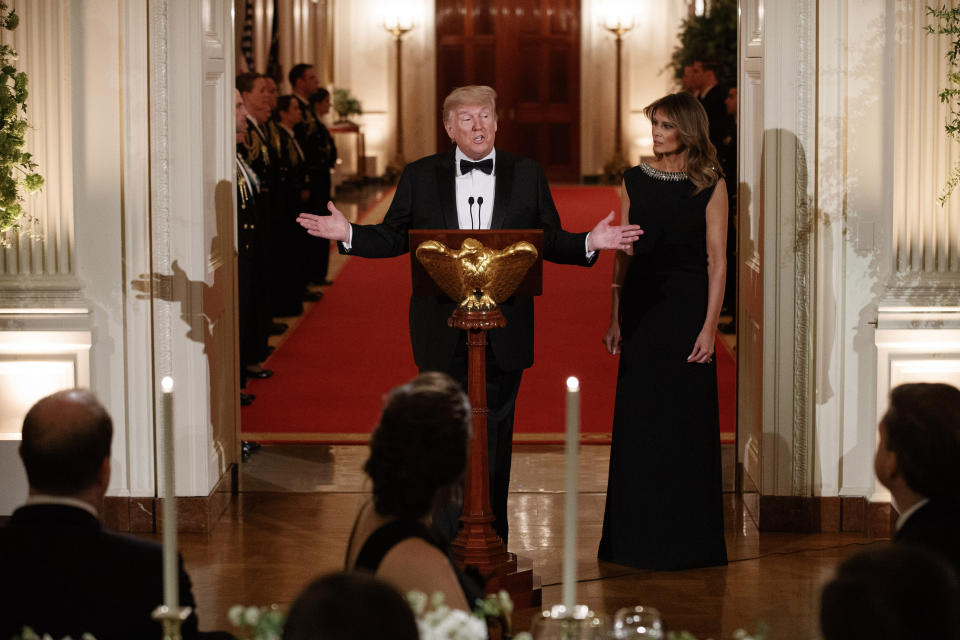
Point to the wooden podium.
(477, 544)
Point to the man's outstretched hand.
(607, 236)
(332, 227)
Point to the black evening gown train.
(664, 503)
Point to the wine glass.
(638, 622)
(557, 625)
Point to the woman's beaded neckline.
(672, 176)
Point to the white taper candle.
(171, 573)
(570, 509)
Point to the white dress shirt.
(909, 512)
(477, 185)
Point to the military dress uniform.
(290, 244)
(248, 190)
(321, 155)
(258, 156)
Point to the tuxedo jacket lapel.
(446, 177)
(503, 187)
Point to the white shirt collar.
(909, 512)
(460, 155)
(42, 498)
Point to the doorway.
(529, 51)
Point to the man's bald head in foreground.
(66, 445)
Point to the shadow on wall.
(209, 312)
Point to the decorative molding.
(803, 231)
(925, 241)
(754, 31)
(195, 514)
(826, 515)
(46, 249)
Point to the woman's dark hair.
(350, 606)
(318, 96)
(896, 592)
(420, 445)
(923, 429)
(693, 133)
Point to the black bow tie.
(484, 165)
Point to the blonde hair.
(473, 94)
(693, 134)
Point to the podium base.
(525, 587)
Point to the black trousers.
(502, 389)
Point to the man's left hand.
(607, 236)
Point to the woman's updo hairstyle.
(420, 445)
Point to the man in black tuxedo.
(918, 460)
(474, 186)
(713, 98)
(63, 574)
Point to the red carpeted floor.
(353, 346)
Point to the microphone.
(470, 202)
(479, 204)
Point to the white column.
(789, 77)
(192, 149)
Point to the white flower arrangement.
(739, 634)
(29, 634)
(262, 623)
(437, 621)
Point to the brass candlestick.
(172, 620)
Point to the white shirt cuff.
(586, 246)
(348, 243)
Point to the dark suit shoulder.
(430, 163)
(934, 526)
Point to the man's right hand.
(332, 227)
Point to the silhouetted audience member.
(63, 574)
(891, 593)
(418, 453)
(350, 606)
(918, 460)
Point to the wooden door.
(750, 255)
(529, 51)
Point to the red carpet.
(352, 347)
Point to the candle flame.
(166, 383)
(573, 384)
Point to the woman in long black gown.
(663, 508)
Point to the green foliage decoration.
(712, 36)
(948, 24)
(345, 104)
(17, 168)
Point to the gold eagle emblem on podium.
(476, 276)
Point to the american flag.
(246, 37)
